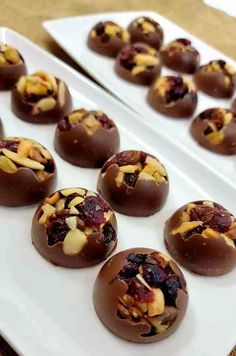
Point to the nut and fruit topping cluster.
(217, 120)
(17, 152)
(136, 165)
(42, 90)
(92, 120)
(107, 30)
(179, 45)
(175, 88)
(71, 215)
(208, 219)
(138, 57)
(152, 289)
(220, 66)
(146, 25)
(9, 55)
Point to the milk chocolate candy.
(74, 228)
(140, 295)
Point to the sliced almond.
(145, 176)
(159, 178)
(73, 210)
(45, 153)
(43, 105)
(155, 163)
(53, 199)
(208, 203)
(7, 165)
(157, 306)
(70, 191)
(148, 27)
(21, 85)
(75, 201)
(3, 60)
(228, 241)
(208, 233)
(228, 118)
(25, 162)
(72, 222)
(47, 211)
(111, 30)
(185, 216)
(142, 280)
(119, 179)
(61, 93)
(60, 205)
(24, 148)
(12, 55)
(76, 116)
(146, 60)
(189, 207)
(91, 194)
(216, 137)
(74, 242)
(142, 306)
(137, 69)
(186, 227)
(129, 168)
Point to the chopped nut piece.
(119, 178)
(208, 233)
(145, 176)
(146, 60)
(157, 306)
(70, 191)
(24, 148)
(76, 116)
(47, 211)
(185, 216)
(111, 30)
(7, 165)
(75, 201)
(228, 240)
(137, 69)
(26, 162)
(215, 137)
(21, 84)
(73, 210)
(12, 55)
(129, 168)
(186, 227)
(153, 162)
(74, 242)
(60, 205)
(148, 27)
(43, 105)
(53, 199)
(72, 222)
(61, 93)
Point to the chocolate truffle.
(27, 171)
(12, 66)
(201, 236)
(217, 79)
(107, 38)
(180, 56)
(40, 98)
(173, 96)
(134, 183)
(215, 129)
(144, 29)
(86, 138)
(140, 295)
(138, 63)
(74, 228)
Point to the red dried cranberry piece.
(92, 210)
(170, 289)
(109, 234)
(153, 275)
(127, 57)
(57, 228)
(49, 166)
(64, 124)
(128, 157)
(105, 121)
(10, 145)
(178, 89)
(138, 258)
(139, 292)
(221, 221)
(202, 213)
(184, 41)
(207, 114)
(221, 63)
(131, 179)
(99, 28)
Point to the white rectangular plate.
(72, 33)
(47, 310)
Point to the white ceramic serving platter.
(47, 310)
(71, 34)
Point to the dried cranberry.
(221, 221)
(105, 121)
(131, 179)
(207, 114)
(99, 28)
(92, 210)
(202, 213)
(129, 271)
(221, 63)
(139, 292)
(153, 275)
(136, 258)
(178, 89)
(184, 41)
(10, 145)
(64, 124)
(109, 234)
(127, 58)
(49, 166)
(57, 229)
(128, 157)
(208, 130)
(170, 289)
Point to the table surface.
(25, 16)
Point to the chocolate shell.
(134, 183)
(74, 228)
(120, 286)
(12, 67)
(144, 29)
(107, 38)
(173, 96)
(86, 138)
(48, 106)
(201, 236)
(179, 55)
(138, 63)
(216, 79)
(19, 184)
(215, 129)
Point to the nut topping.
(9, 55)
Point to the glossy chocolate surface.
(134, 183)
(40, 98)
(179, 55)
(86, 138)
(107, 38)
(12, 67)
(201, 236)
(215, 129)
(138, 63)
(140, 295)
(144, 29)
(173, 96)
(74, 228)
(26, 177)
(216, 79)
